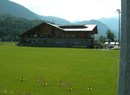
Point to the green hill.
(8, 7)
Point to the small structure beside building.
(112, 45)
(51, 35)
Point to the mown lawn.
(23, 71)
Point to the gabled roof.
(85, 28)
(56, 26)
(74, 27)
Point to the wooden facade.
(51, 35)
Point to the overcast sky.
(73, 9)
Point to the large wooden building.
(51, 35)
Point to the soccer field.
(51, 71)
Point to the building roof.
(68, 28)
(88, 27)
(78, 27)
(56, 26)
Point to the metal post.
(119, 25)
(124, 66)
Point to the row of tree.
(109, 38)
(11, 27)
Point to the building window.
(35, 35)
(66, 36)
(73, 36)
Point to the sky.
(73, 10)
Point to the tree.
(110, 35)
(11, 27)
(102, 39)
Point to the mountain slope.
(102, 28)
(110, 22)
(56, 20)
(8, 7)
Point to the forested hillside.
(11, 27)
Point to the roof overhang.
(86, 28)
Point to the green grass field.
(23, 70)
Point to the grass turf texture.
(79, 68)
